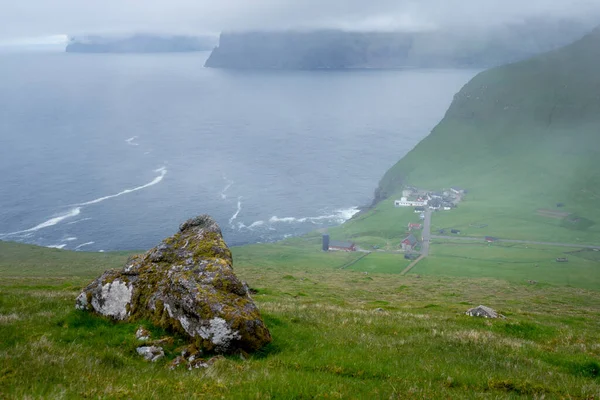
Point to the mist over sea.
(112, 152)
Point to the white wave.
(51, 222)
(223, 193)
(84, 244)
(256, 224)
(162, 171)
(239, 208)
(275, 219)
(338, 216)
(78, 221)
(70, 239)
(131, 142)
(57, 246)
(77, 207)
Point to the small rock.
(151, 353)
(197, 363)
(142, 334)
(482, 311)
(379, 310)
(191, 350)
(179, 360)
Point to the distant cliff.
(457, 48)
(139, 44)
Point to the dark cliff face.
(140, 44)
(451, 48)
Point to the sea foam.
(239, 208)
(77, 207)
(84, 244)
(162, 171)
(131, 142)
(338, 217)
(46, 224)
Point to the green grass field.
(337, 333)
(513, 262)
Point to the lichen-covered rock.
(151, 353)
(482, 311)
(142, 334)
(185, 284)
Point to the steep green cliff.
(524, 140)
(532, 126)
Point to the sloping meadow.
(336, 334)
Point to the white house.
(404, 202)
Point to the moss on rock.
(187, 285)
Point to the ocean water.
(113, 152)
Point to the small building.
(562, 260)
(455, 231)
(404, 202)
(457, 190)
(335, 245)
(409, 243)
(325, 242)
(491, 239)
(435, 204)
(419, 209)
(414, 225)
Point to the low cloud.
(28, 18)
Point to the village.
(423, 203)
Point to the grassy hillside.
(521, 137)
(337, 334)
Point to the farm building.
(455, 231)
(409, 243)
(491, 239)
(335, 245)
(414, 225)
(419, 209)
(404, 202)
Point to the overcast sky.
(38, 18)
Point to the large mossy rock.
(187, 285)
